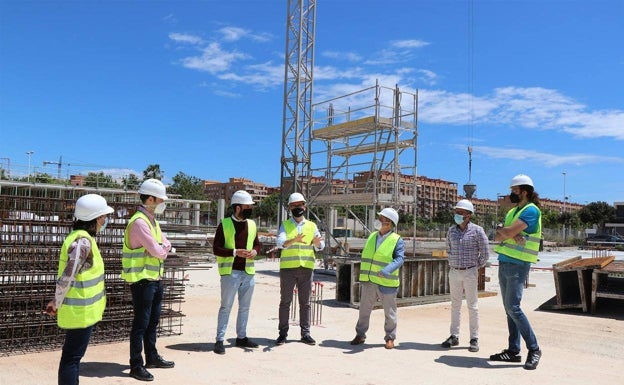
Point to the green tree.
(131, 182)
(187, 186)
(597, 213)
(99, 180)
(153, 171)
(267, 208)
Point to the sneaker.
(281, 340)
(506, 356)
(533, 359)
(245, 343)
(307, 339)
(219, 348)
(451, 341)
(474, 345)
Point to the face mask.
(459, 219)
(246, 213)
(514, 198)
(160, 208)
(377, 224)
(297, 212)
(104, 225)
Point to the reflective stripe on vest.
(527, 252)
(137, 264)
(298, 254)
(85, 300)
(229, 233)
(373, 261)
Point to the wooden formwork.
(573, 281)
(422, 280)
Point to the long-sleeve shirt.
(140, 235)
(281, 237)
(240, 242)
(79, 259)
(398, 257)
(468, 248)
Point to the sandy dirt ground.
(577, 348)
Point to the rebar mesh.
(34, 221)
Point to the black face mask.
(514, 198)
(297, 212)
(246, 213)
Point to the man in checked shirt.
(467, 247)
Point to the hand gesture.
(50, 309)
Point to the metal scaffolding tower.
(298, 76)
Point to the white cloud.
(546, 159)
(213, 59)
(185, 38)
(231, 34)
(413, 43)
(340, 55)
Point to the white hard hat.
(153, 187)
(242, 197)
(521, 179)
(391, 214)
(91, 206)
(296, 197)
(465, 204)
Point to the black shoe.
(358, 340)
(141, 374)
(533, 359)
(474, 345)
(307, 339)
(281, 340)
(159, 362)
(507, 356)
(245, 343)
(218, 348)
(451, 341)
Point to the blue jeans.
(511, 277)
(243, 284)
(74, 348)
(147, 301)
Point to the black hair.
(88, 226)
(145, 197)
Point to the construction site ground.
(578, 348)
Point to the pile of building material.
(34, 221)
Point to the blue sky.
(536, 87)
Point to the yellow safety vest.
(299, 253)
(85, 301)
(527, 252)
(373, 261)
(229, 232)
(137, 264)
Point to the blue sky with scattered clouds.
(535, 87)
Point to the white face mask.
(104, 225)
(160, 208)
(377, 224)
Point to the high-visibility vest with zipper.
(229, 233)
(138, 264)
(299, 253)
(373, 261)
(85, 300)
(527, 252)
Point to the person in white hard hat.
(520, 238)
(236, 245)
(467, 247)
(299, 239)
(80, 296)
(382, 256)
(145, 249)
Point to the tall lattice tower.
(298, 80)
